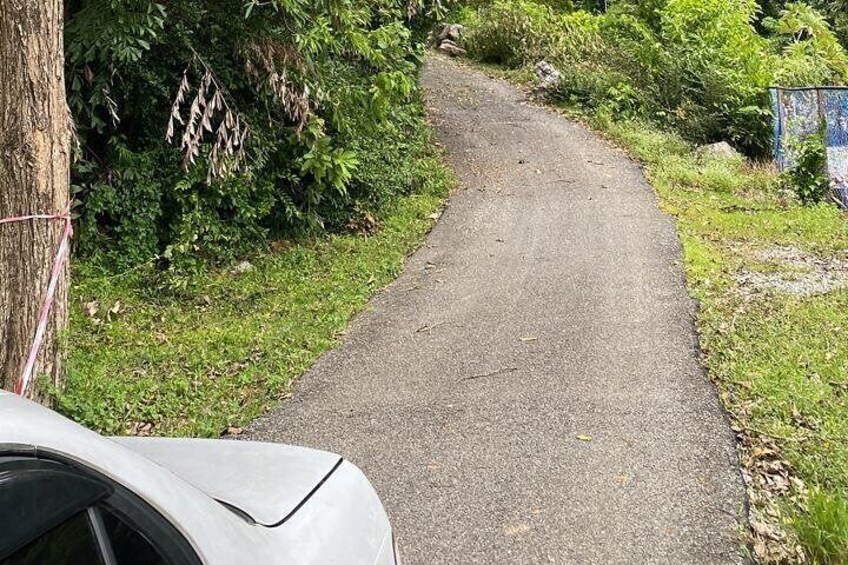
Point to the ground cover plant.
(765, 253)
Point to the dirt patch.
(792, 271)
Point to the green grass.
(823, 529)
(221, 353)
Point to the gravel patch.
(797, 273)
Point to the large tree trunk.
(35, 144)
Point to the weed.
(823, 528)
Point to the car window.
(54, 513)
(71, 543)
(129, 546)
(36, 496)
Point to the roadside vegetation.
(207, 361)
(765, 253)
(248, 174)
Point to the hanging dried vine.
(208, 119)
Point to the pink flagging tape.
(14, 219)
(22, 386)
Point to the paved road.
(529, 390)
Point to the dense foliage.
(208, 126)
(699, 66)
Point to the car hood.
(265, 482)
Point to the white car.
(69, 496)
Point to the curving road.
(529, 390)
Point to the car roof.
(218, 535)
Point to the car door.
(57, 514)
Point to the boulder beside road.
(720, 149)
(451, 48)
(449, 40)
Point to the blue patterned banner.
(835, 103)
(799, 112)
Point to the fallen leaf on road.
(768, 531)
(761, 452)
(583, 438)
(516, 530)
(428, 327)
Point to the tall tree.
(35, 153)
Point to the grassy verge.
(222, 352)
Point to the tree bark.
(35, 153)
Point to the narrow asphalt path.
(529, 391)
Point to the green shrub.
(811, 53)
(725, 71)
(513, 33)
(808, 177)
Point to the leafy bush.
(286, 111)
(811, 53)
(836, 12)
(808, 177)
(514, 33)
(724, 71)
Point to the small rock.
(547, 73)
(548, 77)
(451, 48)
(720, 149)
(243, 267)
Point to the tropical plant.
(811, 52)
(205, 127)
